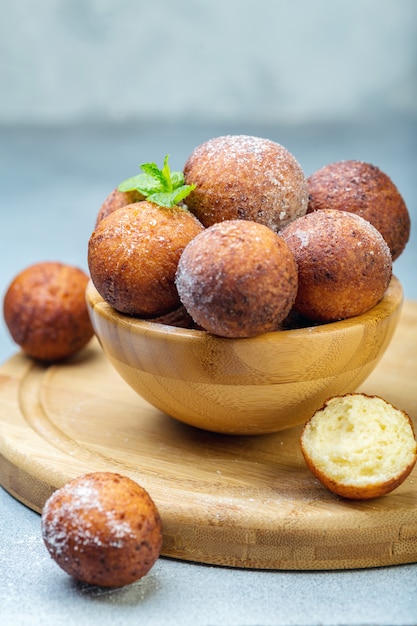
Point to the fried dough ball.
(359, 446)
(46, 313)
(133, 256)
(103, 529)
(344, 264)
(116, 200)
(237, 279)
(363, 189)
(244, 177)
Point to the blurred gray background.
(66, 61)
(90, 89)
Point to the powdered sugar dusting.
(303, 236)
(237, 147)
(73, 514)
(259, 178)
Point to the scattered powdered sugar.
(75, 515)
(85, 495)
(303, 236)
(258, 176)
(237, 147)
(261, 156)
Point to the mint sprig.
(160, 186)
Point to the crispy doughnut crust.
(133, 256)
(45, 311)
(344, 264)
(245, 177)
(103, 529)
(116, 200)
(362, 188)
(237, 279)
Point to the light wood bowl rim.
(389, 304)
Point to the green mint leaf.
(130, 184)
(177, 179)
(181, 193)
(141, 182)
(153, 171)
(168, 199)
(160, 186)
(166, 175)
(163, 199)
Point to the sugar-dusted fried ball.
(245, 177)
(362, 188)
(103, 529)
(237, 279)
(45, 311)
(133, 255)
(344, 264)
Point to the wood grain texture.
(251, 386)
(236, 501)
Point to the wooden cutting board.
(235, 501)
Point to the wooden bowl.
(244, 386)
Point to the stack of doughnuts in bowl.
(273, 304)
